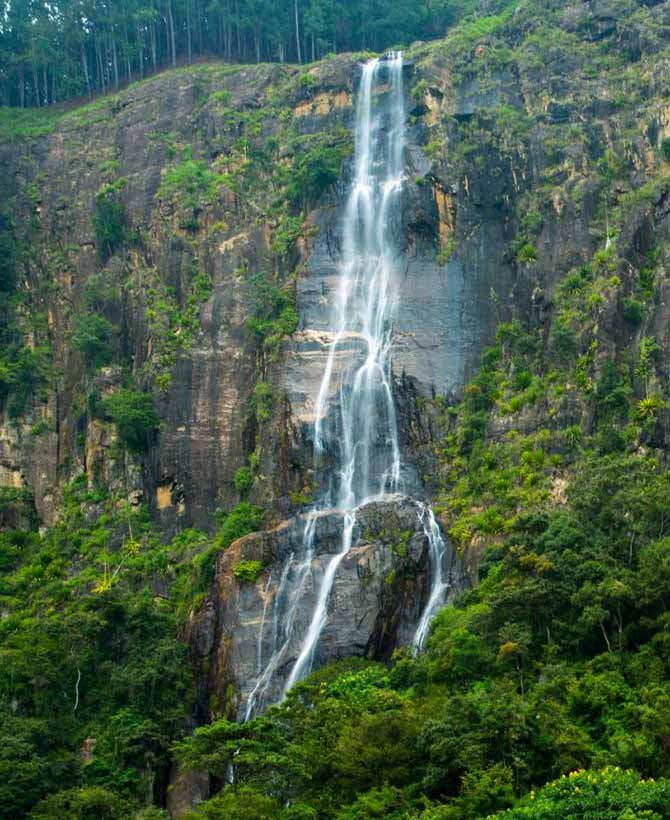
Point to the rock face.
(509, 160)
(207, 432)
(379, 591)
(447, 315)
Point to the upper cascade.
(357, 452)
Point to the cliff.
(179, 240)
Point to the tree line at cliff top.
(52, 51)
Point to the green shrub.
(190, 184)
(306, 80)
(100, 296)
(247, 572)
(135, 418)
(23, 372)
(527, 253)
(563, 339)
(241, 520)
(611, 794)
(612, 392)
(222, 96)
(273, 313)
(243, 480)
(95, 338)
(316, 170)
(82, 804)
(242, 803)
(633, 310)
(110, 225)
(261, 402)
(665, 148)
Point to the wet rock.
(379, 590)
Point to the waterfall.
(364, 310)
(364, 307)
(356, 444)
(438, 589)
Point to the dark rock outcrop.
(380, 588)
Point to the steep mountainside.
(168, 257)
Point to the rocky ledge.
(248, 634)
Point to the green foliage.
(241, 520)
(222, 96)
(540, 669)
(385, 802)
(286, 234)
(135, 418)
(24, 370)
(273, 314)
(82, 804)
(238, 804)
(95, 337)
(25, 124)
(261, 402)
(191, 185)
(243, 480)
(173, 322)
(633, 310)
(610, 794)
(110, 224)
(612, 392)
(527, 253)
(248, 572)
(665, 148)
(315, 170)
(89, 660)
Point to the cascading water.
(356, 443)
(439, 584)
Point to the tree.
(135, 418)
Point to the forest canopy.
(55, 51)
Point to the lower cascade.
(357, 452)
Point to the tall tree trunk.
(101, 66)
(154, 39)
(140, 50)
(45, 79)
(129, 68)
(238, 33)
(189, 48)
(199, 14)
(106, 63)
(84, 65)
(98, 59)
(22, 86)
(36, 87)
(297, 29)
(115, 62)
(172, 35)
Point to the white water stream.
(356, 434)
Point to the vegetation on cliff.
(544, 690)
(556, 662)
